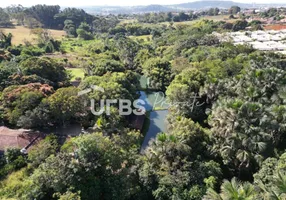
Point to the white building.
(262, 40)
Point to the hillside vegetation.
(225, 130)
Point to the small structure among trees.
(18, 138)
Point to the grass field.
(214, 18)
(146, 38)
(218, 18)
(76, 73)
(21, 33)
(128, 21)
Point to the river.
(157, 117)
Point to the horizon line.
(162, 4)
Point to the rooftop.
(17, 138)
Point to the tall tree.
(4, 18)
(234, 10)
(46, 68)
(45, 14)
(77, 16)
(67, 106)
(159, 73)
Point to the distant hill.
(152, 8)
(196, 5)
(127, 10)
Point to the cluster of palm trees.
(248, 117)
(245, 126)
(236, 190)
(174, 165)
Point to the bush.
(15, 50)
(32, 51)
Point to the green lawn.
(214, 18)
(76, 73)
(143, 38)
(128, 21)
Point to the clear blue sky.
(74, 3)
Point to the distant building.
(269, 40)
(283, 20)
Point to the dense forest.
(225, 140)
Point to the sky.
(77, 3)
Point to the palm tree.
(167, 146)
(233, 190)
(212, 195)
(241, 131)
(277, 191)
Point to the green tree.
(38, 117)
(5, 40)
(45, 148)
(76, 15)
(234, 10)
(239, 25)
(128, 50)
(213, 11)
(117, 85)
(104, 24)
(4, 18)
(183, 93)
(84, 32)
(16, 12)
(7, 69)
(103, 66)
(70, 28)
(66, 105)
(46, 68)
(181, 17)
(277, 189)
(174, 165)
(245, 120)
(240, 141)
(32, 22)
(270, 168)
(96, 165)
(17, 100)
(159, 73)
(142, 56)
(233, 190)
(44, 14)
(69, 196)
(45, 40)
(14, 160)
(271, 179)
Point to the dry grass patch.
(21, 33)
(276, 27)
